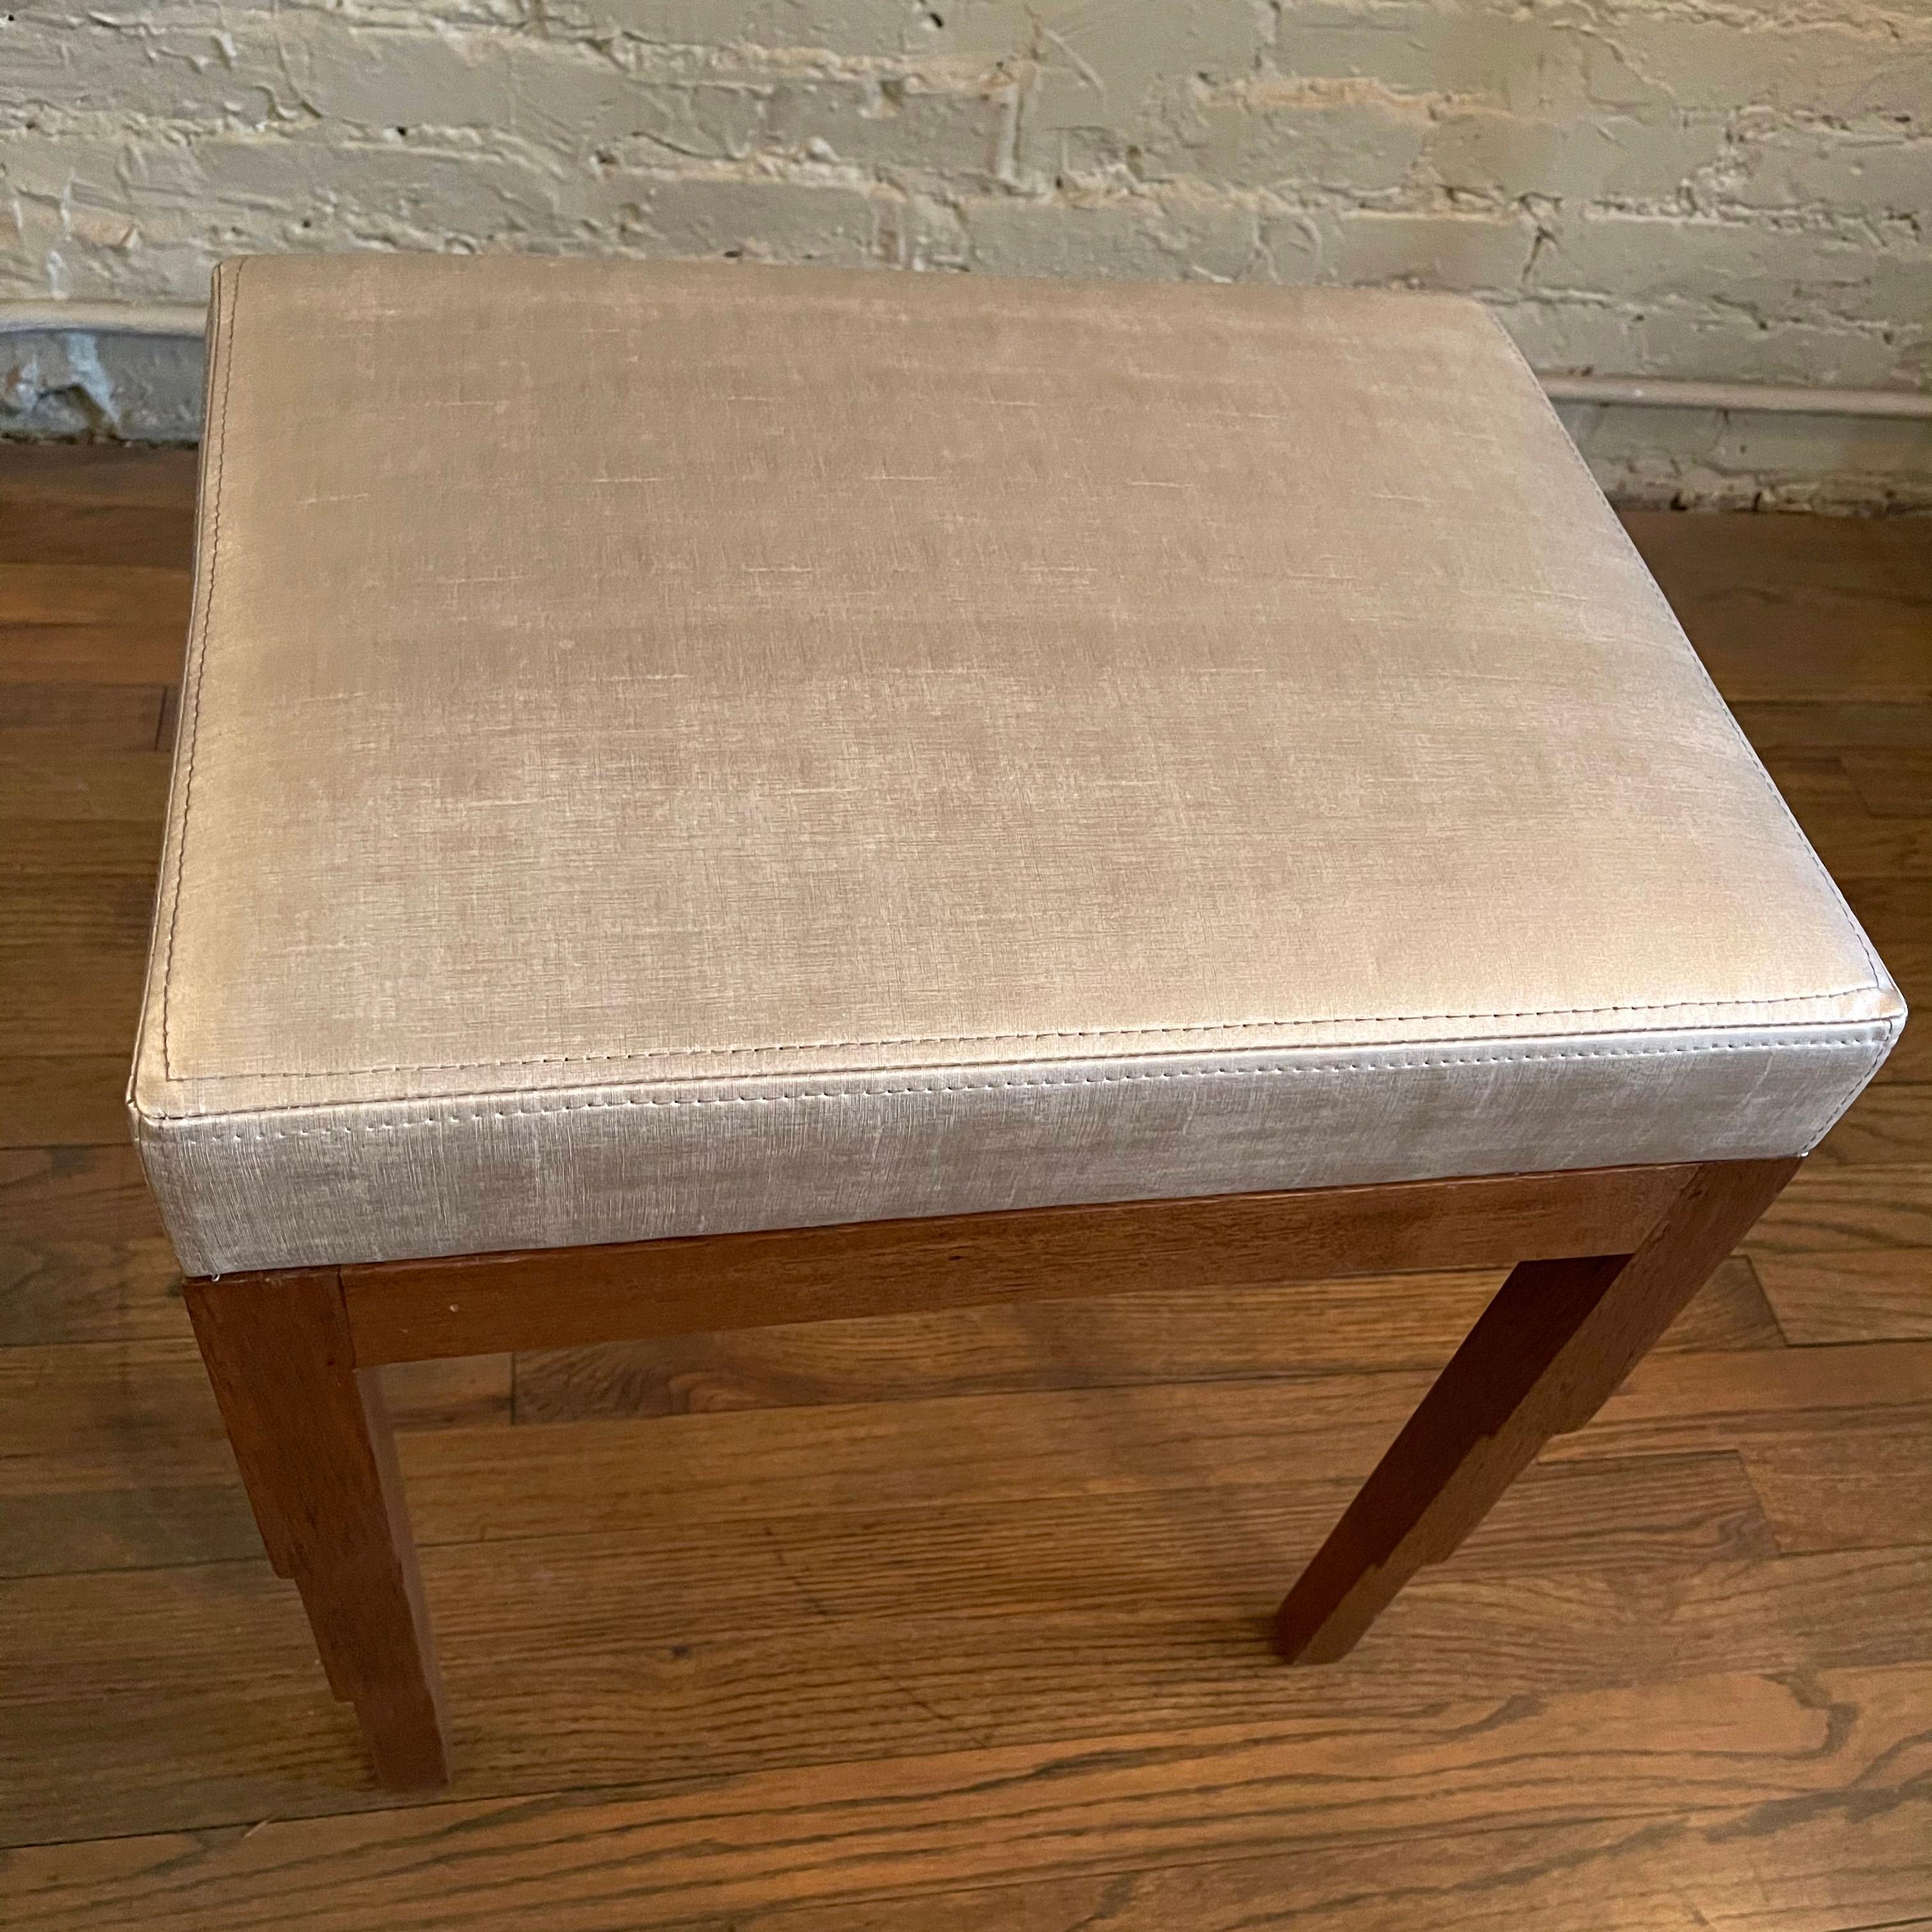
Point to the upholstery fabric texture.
(675, 748)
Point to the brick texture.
(1738, 190)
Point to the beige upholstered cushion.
(670, 748)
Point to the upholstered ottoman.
(714, 795)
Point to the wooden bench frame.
(1602, 1260)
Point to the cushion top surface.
(610, 678)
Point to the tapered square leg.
(318, 1459)
(1544, 1357)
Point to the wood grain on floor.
(957, 1621)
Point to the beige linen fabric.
(671, 748)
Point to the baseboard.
(111, 384)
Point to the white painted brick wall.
(1738, 190)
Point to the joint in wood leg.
(1545, 1355)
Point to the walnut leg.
(1545, 1356)
(314, 1445)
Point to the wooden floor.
(959, 1622)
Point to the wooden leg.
(1544, 1357)
(317, 1455)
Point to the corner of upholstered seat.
(147, 1099)
(158, 1112)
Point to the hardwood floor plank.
(54, 1288)
(103, 851)
(1790, 556)
(70, 1100)
(1850, 643)
(1865, 1488)
(1856, 844)
(60, 1533)
(48, 530)
(127, 1413)
(1812, 780)
(92, 624)
(88, 718)
(1831, 723)
(102, 1420)
(1728, 1313)
(92, 1194)
(1651, 1510)
(76, 903)
(54, 914)
(1872, 1389)
(1910, 1062)
(99, 1415)
(1880, 1295)
(1888, 1126)
(56, 781)
(1851, 1862)
(841, 1692)
(1667, 1390)
(1186, 1335)
(107, 1415)
(1893, 911)
(74, 998)
(1154, 1798)
(603, 1476)
(1780, 615)
(116, 1413)
(464, 1392)
(97, 473)
(1892, 783)
(1205, 1333)
(1653, 1516)
(1829, 1207)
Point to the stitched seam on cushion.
(448, 1118)
(1654, 591)
(1191, 1029)
(1883, 1045)
(193, 721)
